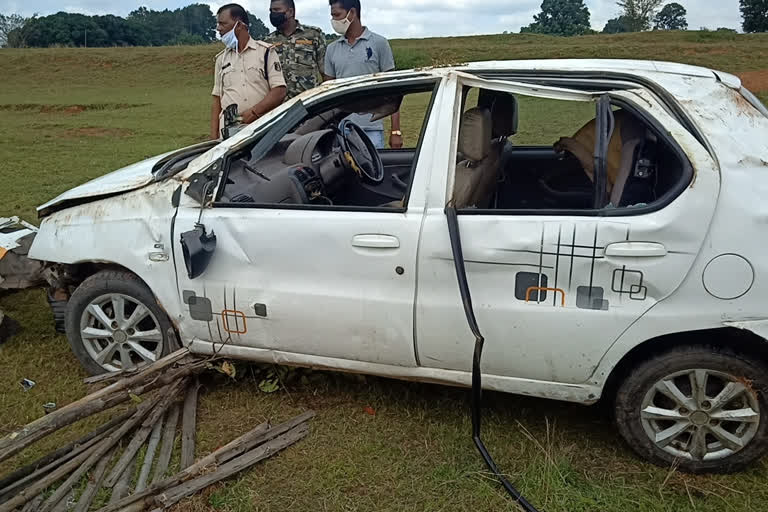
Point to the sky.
(401, 18)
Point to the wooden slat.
(149, 456)
(94, 483)
(101, 400)
(60, 454)
(259, 435)
(236, 465)
(189, 426)
(169, 395)
(167, 443)
(98, 451)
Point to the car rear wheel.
(114, 323)
(702, 408)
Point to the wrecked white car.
(623, 258)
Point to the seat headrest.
(475, 134)
(504, 111)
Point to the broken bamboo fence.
(159, 395)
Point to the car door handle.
(376, 241)
(636, 250)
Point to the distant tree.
(638, 13)
(187, 39)
(193, 24)
(616, 26)
(64, 29)
(9, 23)
(671, 17)
(199, 21)
(560, 18)
(257, 29)
(755, 15)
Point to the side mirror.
(198, 248)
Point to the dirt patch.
(66, 109)
(73, 109)
(95, 131)
(755, 81)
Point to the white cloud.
(406, 18)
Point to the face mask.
(230, 39)
(341, 26)
(277, 19)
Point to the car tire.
(139, 336)
(669, 418)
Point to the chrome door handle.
(376, 241)
(636, 250)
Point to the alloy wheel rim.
(120, 333)
(700, 414)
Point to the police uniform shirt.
(245, 78)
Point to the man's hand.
(395, 141)
(249, 116)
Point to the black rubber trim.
(310, 207)
(181, 154)
(477, 384)
(176, 197)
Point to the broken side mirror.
(198, 247)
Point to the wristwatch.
(396, 132)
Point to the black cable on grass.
(477, 388)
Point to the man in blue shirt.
(360, 52)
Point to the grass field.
(69, 115)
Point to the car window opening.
(530, 155)
(333, 158)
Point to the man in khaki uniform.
(247, 73)
(301, 47)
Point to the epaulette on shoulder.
(315, 29)
(264, 44)
(219, 54)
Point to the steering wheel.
(359, 154)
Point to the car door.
(322, 281)
(553, 291)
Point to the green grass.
(69, 115)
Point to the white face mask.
(230, 39)
(341, 26)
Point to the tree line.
(572, 17)
(196, 24)
(193, 24)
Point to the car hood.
(123, 180)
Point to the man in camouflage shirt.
(301, 48)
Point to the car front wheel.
(114, 323)
(701, 408)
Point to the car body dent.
(129, 230)
(735, 130)
(759, 327)
(137, 217)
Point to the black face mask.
(277, 19)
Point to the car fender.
(132, 230)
